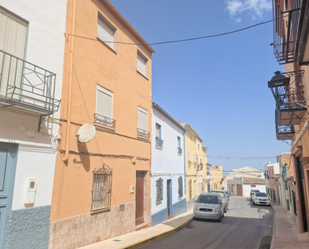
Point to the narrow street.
(244, 226)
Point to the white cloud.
(254, 7)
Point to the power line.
(180, 40)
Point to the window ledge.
(158, 202)
(104, 127)
(107, 209)
(110, 48)
(159, 147)
(143, 138)
(142, 75)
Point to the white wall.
(45, 48)
(246, 188)
(165, 162)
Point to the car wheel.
(253, 203)
(223, 214)
(225, 210)
(219, 219)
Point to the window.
(106, 32)
(13, 32)
(104, 108)
(159, 141)
(179, 149)
(142, 123)
(102, 188)
(142, 63)
(159, 186)
(180, 187)
(194, 160)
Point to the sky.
(217, 85)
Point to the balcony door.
(13, 33)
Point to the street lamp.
(278, 80)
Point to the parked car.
(225, 199)
(209, 206)
(227, 194)
(260, 198)
(252, 193)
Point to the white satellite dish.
(86, 133)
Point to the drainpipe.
(300, 135)
(69, 92)
(184, 158)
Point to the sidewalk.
(141, 237)
(285, 231)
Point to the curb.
(157, 237)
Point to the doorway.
(301, 183)
(139, 197)
(169, 198)
(8, 159)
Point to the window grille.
(159, 186)
(102, 188)
(180, 187)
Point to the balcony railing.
(142, 133)
(159, 143)
(283, 132)
(26, 87)
(179, 151)
(104, 121)
(286, 27)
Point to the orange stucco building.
(102, 187)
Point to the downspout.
(69, 92)
(300, 135)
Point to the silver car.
(209, 206)
(260, 198)
(224, 197)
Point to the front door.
(139, 198)
(8, 158)
(169, 197)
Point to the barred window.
(102, 188)
(180, 187)
(159, 185)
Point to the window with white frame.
(104, 107)
(159, 141)
(106, 32)
(142, 123)
(142, 64)
(194, 160)
(159, 191)
(179, 149)
(13, 33)
(180, 187)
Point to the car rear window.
(212, 199)
(218, 193)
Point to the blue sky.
(217, 85)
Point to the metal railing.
(286, 28)
(143, 133)
(283, 132)
(105, 121)
(27, 85)
(101, 188)
(179, 150)
(159, 143)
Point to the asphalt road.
(243, 226)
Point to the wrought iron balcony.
(159, 143)
(200, 167)
(179, 150)
(104, 121)
(26, 87)
(142, 133)
(189, 163)
(287, 28)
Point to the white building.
(31, 66)
(167, 167)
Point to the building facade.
(102, 175)
(167, 167)
(31, 66)
(291, 91)
(195, 169)
(217, 177)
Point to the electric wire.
(180, 40)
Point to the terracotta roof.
(251, 180)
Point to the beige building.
(217, 177)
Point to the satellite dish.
(86, 133)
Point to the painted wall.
(95, 63)
(166, 163)
(246, 188)
(217, 175)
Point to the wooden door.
(139, 198)
(239, 190)
(8, 158)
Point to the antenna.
(86, 133)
